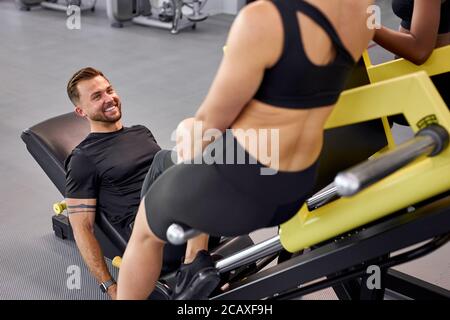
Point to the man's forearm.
(92, 254)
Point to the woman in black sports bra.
(425, 26)
(285, 66)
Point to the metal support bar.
(322, 197)
(177, 235)
(355, 288)
(249, 254)
(414, 288)
(428, 142)
(356, 291)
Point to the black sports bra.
(294, 81)
(404, 10)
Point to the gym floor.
(161, 79)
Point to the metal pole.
(250, 254)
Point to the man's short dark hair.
(81, 75)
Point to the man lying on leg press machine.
(107, 170)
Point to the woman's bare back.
(301, 130)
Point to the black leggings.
(173, 255)
(225, 199)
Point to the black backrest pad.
(51, 141)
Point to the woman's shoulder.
(259, 11)
(258, 22)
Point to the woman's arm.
(418, 45)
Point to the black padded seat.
(51, 141)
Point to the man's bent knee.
(162, 161)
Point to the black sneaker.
(196, 280)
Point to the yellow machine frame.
(437, 63)
(416, 97)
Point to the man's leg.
(142, 261)
(162, 161)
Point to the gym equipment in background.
(62, 5)
(173, 15)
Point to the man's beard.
(103, 117)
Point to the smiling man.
(107, 169)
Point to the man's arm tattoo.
(82, 206)
(87, 208)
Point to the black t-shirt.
(111, 167)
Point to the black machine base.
(61, 227)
